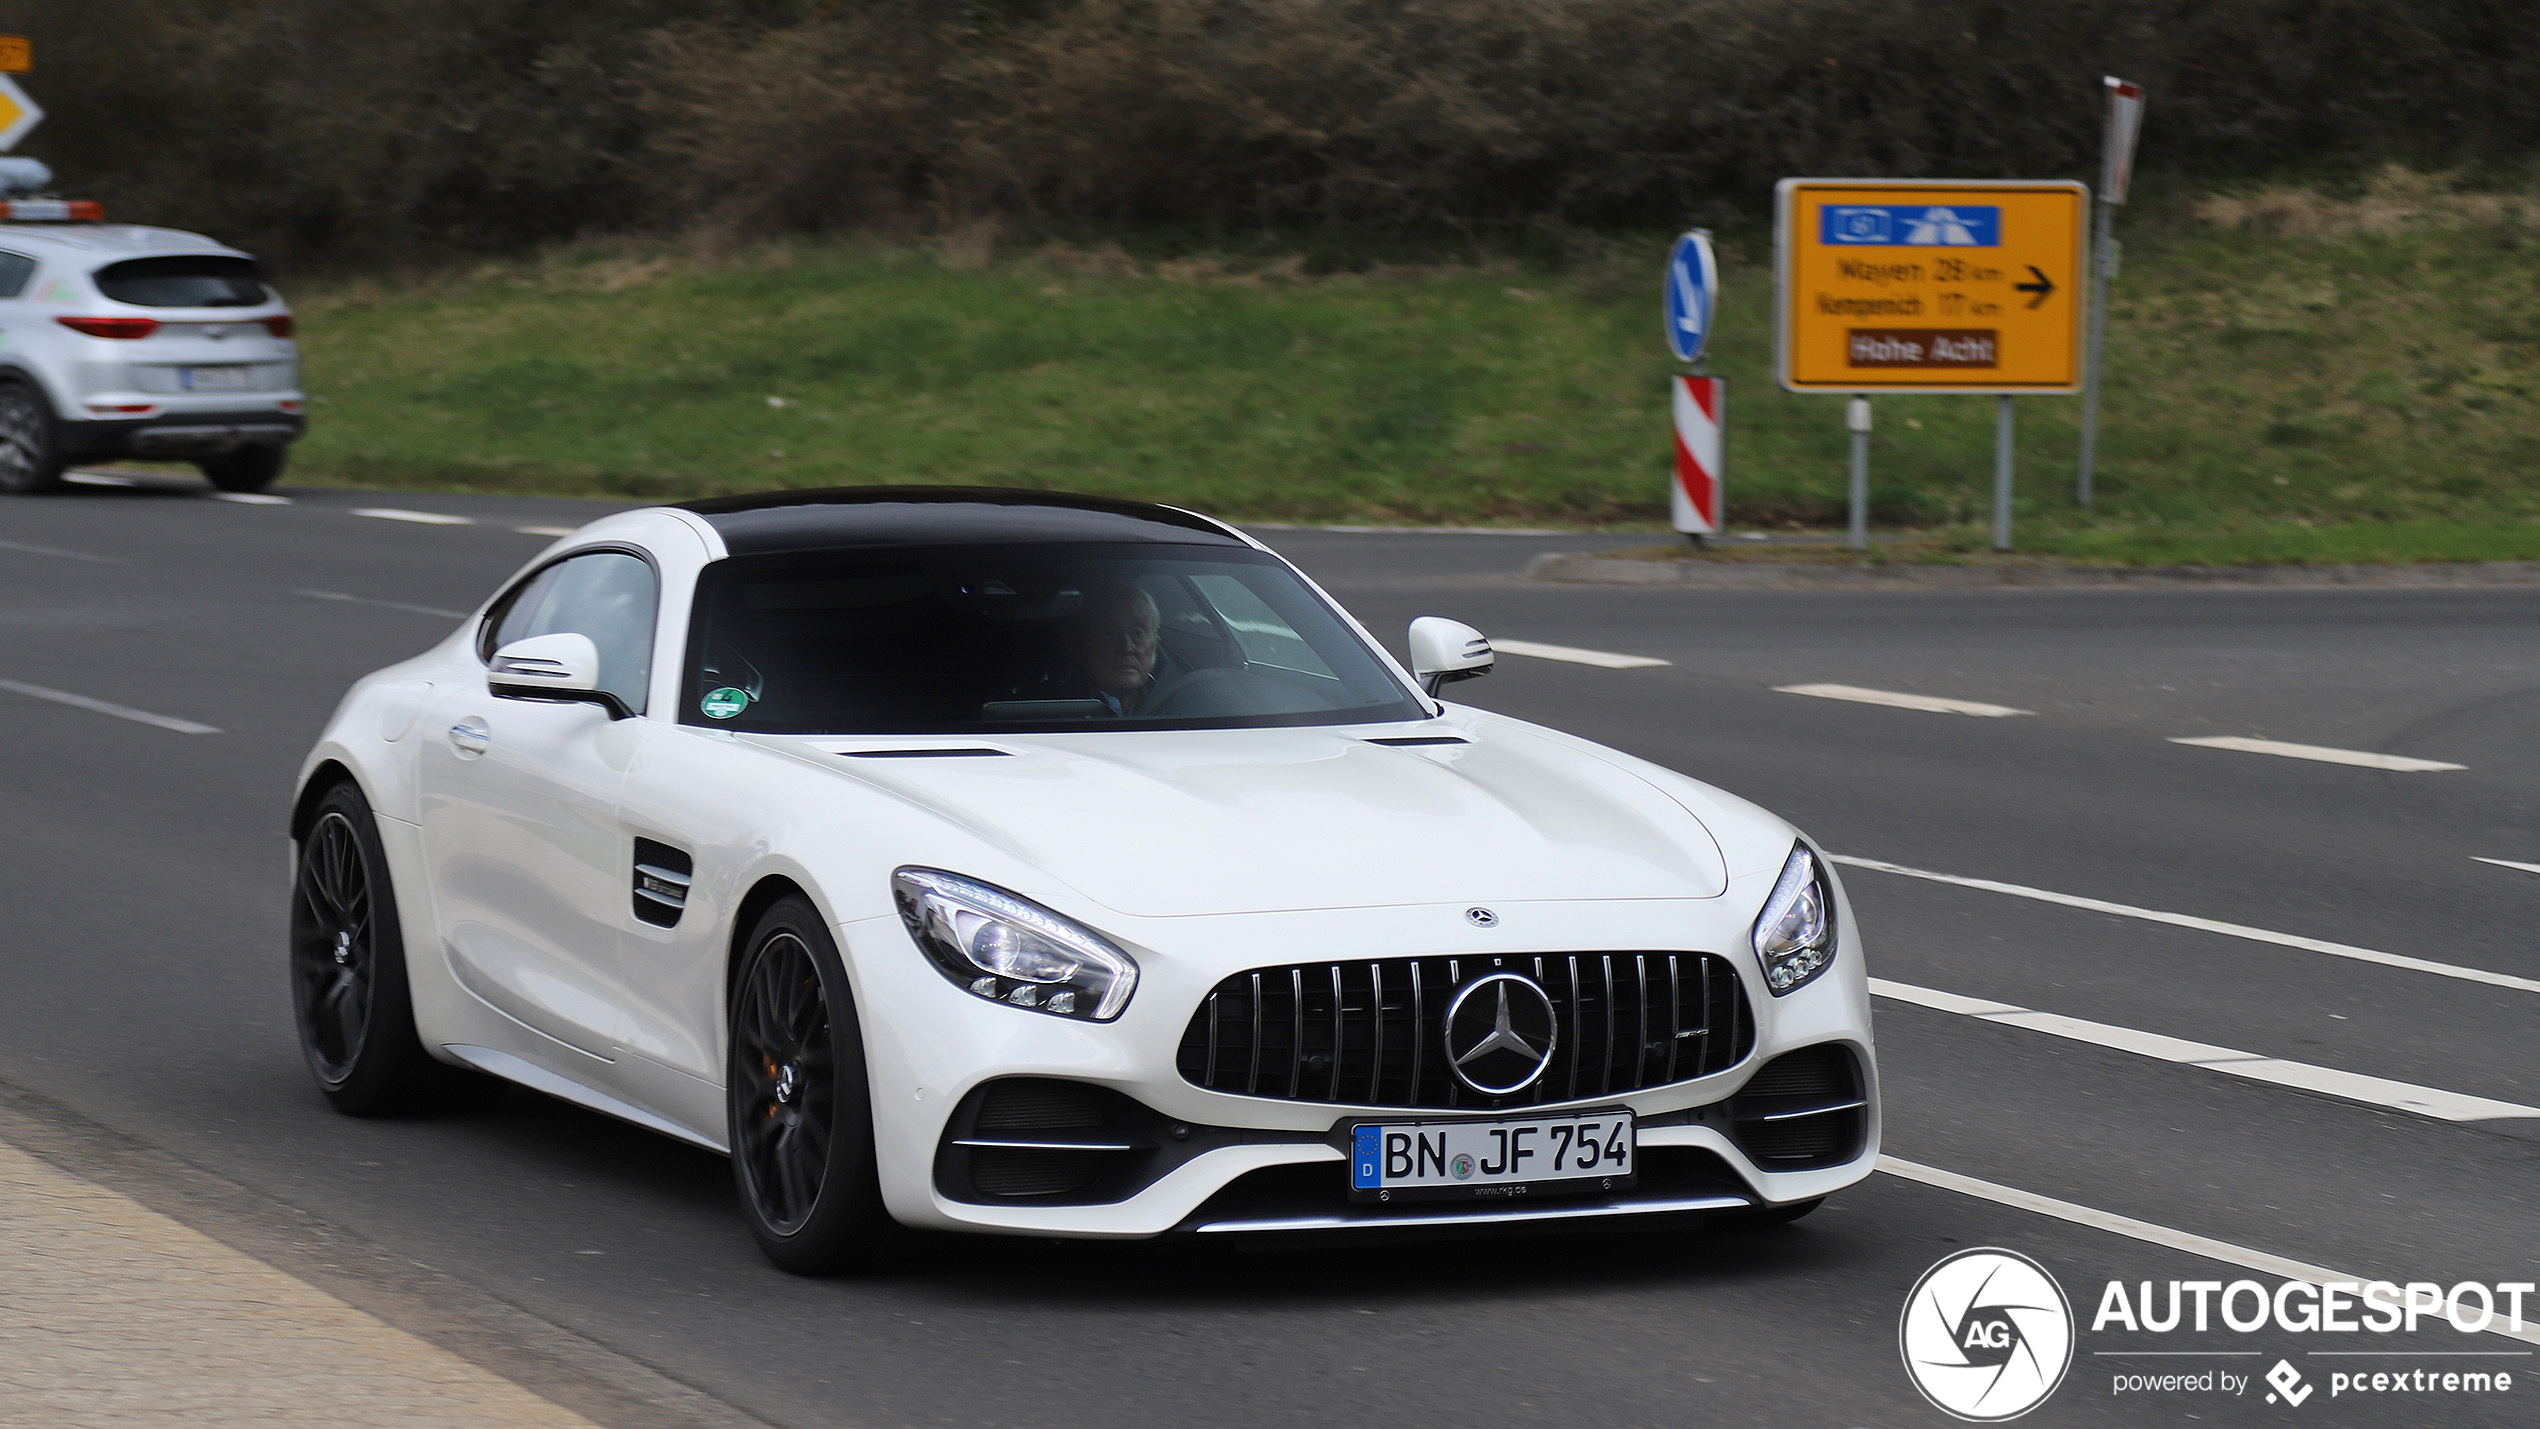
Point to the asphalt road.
(141, 988)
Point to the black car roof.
(941, 515)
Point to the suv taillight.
(111, 327)
(279, 326)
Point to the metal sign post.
(2116, 175)
(1856, 417)
(1700, 404)
(2002, 472)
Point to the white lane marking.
(2359, 757)
(2353, 1086)
(2508, 863)
(1575, 656)
(97, 478)
(251, 498)
(57, 551)
(2163, 1236)
(2204, 925)
(382, 604)
(544, 530)
(63, 697)
(1933, 704)
(426, 518)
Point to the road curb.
(1578, 568)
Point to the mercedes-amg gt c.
(1000, 861)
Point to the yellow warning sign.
(1919, 286)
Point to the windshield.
(192, 281)
(1015, 638)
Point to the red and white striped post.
(1700, 404)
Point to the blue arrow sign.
(1693, 285)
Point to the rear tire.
(31, 459)
(801, 1112)
(348, 965)
(246, 469)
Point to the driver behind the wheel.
(1112, 643)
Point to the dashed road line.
(337, 595)
(2352, 1086)
(544, 530)
(32, 550)
(2508, 863)
(2224, 1251)
(251, 498)
(2203, 925)
(1572, 654)
(97, 478)
(1932, 704)
(2361, 758)
(106, 707)
(421, 518)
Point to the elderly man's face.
(1115, 642)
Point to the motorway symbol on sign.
(1693, 287)
(17, 54)
(1917, 286)
(18, 113)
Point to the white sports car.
(1001, 861)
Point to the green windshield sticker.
(724, 703)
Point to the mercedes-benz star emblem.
(1481, 917)
(1500, 1032)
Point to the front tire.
(800, 1106)
(348, 965)
(246, 469)
(31, 458)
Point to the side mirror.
(1444, 651)
(564, 667)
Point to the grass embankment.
(2290, 379)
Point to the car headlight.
(1011, 950)
(1794, 938)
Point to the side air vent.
(1802, 1110)
(661, 882)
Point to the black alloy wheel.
(801, 1115)
(30, 453)
(246, 469)
(348, 966)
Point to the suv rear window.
(209, 281)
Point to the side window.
(1266, 636)
(15, 269)
(607, 595)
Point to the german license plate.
(1492, 1160)
(216, 379)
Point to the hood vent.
(965, 752)
(661, 882)
(1414, 741)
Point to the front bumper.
(1260, 1164)
(181, 435)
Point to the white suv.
(118, 341)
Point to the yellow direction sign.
(17, 54)
(1914, 286)
(18, 113)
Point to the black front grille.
(1373, 1033)
(1803, 1110)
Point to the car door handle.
(471, 736)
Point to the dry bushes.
(364, 127)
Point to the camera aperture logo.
(1986, 1335)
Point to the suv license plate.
(1487, 1160)
(216, 379)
